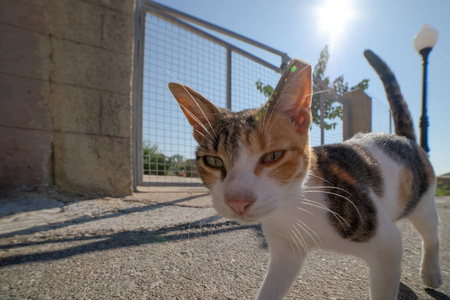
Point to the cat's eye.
(213, 162)
(271, 157)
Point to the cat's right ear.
(200, 112)
(292, 95)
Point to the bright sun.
(334, 16)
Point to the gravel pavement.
(166, 245)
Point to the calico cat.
(260, 168)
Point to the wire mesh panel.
(381, 116)
(173, 54)
(330, 129)
(244, 76)
(176, 51)
(335, 133)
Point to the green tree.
(332, 110)
(155, 163)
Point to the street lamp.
(424, 41)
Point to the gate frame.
(180, 19)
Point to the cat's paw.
(432, 278)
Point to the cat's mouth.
(252, 216)
(245, 208)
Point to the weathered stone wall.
(65, 95)
(361, 113)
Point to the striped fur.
(260, 168)
(402, 117)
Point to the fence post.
(390, 121)
(228, 104)
(358, 114)
(137, 101)
(322, 123)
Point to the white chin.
(252, 219)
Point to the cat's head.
(253, 160)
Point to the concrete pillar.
(65, 82)
(359, 113)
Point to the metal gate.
(172, 46)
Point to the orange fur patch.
(344, 175)
(428, 167)
(405, 182)
(277, 133)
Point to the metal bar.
(229, 51)
(347, 126)
(214, 27)
(210, 37)
(322, 123)
(257, 59)
(390, 122)
(138, 70)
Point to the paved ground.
(165, 245)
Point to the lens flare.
(334, 16)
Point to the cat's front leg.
(284, 266)
(384, 256)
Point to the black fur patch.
(353, 172)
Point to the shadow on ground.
(405, 293)
(200, 228)
(85, 219)
(437, 295)
(190, 230)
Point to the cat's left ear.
(201, 113)
(292, 95)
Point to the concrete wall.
(65, 95)
(360, 113)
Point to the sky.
(385, 26)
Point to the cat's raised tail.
(403, 123)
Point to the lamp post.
(424, 41)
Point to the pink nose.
(239, 205)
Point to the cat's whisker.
(282, 227)
(306, 211)
(292, 234)
(302, 241)
(341, 196)
(195, 101)
(312, 202)
(199, 123)
(197, 131)
(302, 225)
(319, 92)
(335, 214)
(302, 196)
(312, 188)
(321, 178)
